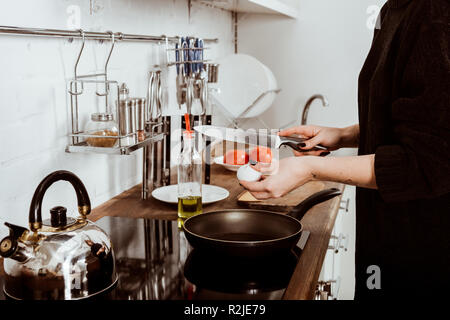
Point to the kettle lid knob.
(58, 216)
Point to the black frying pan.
(251, 233)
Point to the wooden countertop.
(130, 204)
(319, 221)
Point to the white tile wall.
(34, 114)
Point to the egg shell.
(247, 173)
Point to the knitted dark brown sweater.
(404, 113)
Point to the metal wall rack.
(157, 140)
(88, 35)
(78, 82)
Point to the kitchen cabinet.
(345, 260)
(338, 269)
(284, 8)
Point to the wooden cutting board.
(285, 203)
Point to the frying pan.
(251, 233)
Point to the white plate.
(231, 167)
(210, 193)
(242, 80)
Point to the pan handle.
(300, 210)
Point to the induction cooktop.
(154, 261)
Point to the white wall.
(34, 113)
(320, 52)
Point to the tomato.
(261, 154)
(236, 157)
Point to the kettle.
(61, 258)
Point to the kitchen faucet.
(325, 103)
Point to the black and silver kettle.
(61, 258)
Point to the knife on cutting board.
(255, 137)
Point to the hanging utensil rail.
(75, 34)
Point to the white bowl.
(242, 79)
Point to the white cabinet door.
(345, 259)
(338, 269)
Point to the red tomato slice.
(236, 157)
(261, 154)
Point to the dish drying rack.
(237, 122)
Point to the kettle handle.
(84, 204)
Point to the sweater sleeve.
(417, 164)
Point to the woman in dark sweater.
(402, 170)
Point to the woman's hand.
(285, 175)
(279, 178)
(330, 138)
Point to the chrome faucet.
(325, 103)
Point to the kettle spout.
(12, 247)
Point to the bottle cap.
(188, 132)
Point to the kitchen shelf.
(254, 6)
(82, 147)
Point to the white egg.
(247, 173)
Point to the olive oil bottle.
(189, 206)
(189, 179)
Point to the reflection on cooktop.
(216, 277)
(2, 294)
(155, 262)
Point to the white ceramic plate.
(242, 79)
(231, 167)
(210, 193)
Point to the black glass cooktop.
(155, 262)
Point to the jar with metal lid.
(140, 118)
(127, 121)
(103, 126)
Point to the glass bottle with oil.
(189, 179)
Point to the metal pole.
(59, 33)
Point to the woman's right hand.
(330, 138)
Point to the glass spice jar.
(102, 125)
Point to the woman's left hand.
(279, 178)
